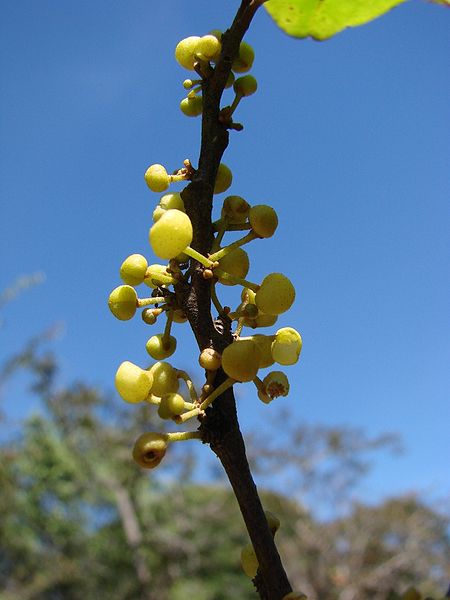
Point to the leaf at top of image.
(321, 19)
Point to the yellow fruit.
(132, 382)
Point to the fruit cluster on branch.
(172, 237)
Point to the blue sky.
(347, 139)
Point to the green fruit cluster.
(170, 236)
(200, 54)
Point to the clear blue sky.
(348, 139)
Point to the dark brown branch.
(220, 426)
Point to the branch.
(220, 426)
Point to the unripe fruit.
(167, 202)
(174, 403)
(236, 263)
(149, 449)
(210, 359)
(249, 311)
(122, 302)
(163, 410)
(249, 561)
(192, 107)
(249, 295)
(156, 348)
(132, 382)
(240, 360)
(245, 58)
(262, 320)
(185, 52)
(276, 294)
(155, 275)
(245, 86)
(165, 379)
(236, 209)
(276, 384)
(157, 213)
(148, 316)
(224, 178)
(172, 200)
(263, 220)
(264, 343)
(157, 178)
(286, 346)
(171, 234)
(209, 47)
(132, 270)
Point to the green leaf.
(321, 19)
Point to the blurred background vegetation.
(79, 520)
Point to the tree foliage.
(79, 520)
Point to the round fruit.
(295, 596)
(157, 178)
(245, 86)
(156, 348)
(263, 220)
(171, 234)
(185, 52)
(236, 209)
(245, 58)
(156, 275)
(210, 359)
(209, 47)
(276, 294)
(149, 449)
(240, 360)
(148, 316)
(174, 404)
(249, 561)
(236, 263)
(132, 382)
(165, 379)
(122, 302)
(224, 178)
(132, 270)
(264, 343)
(192, 107)
(172, 200)
(287, 346)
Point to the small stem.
(229, 110)
(236, 280)
(198, 257)
(160, 279)
(180, 177)
(167, 328)
(220, 233)
(152, 399)
(180, 436)
(147, 301)
(237, 244)
(187, 415)
(215, 299)
(217, 392)
(190, 386)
